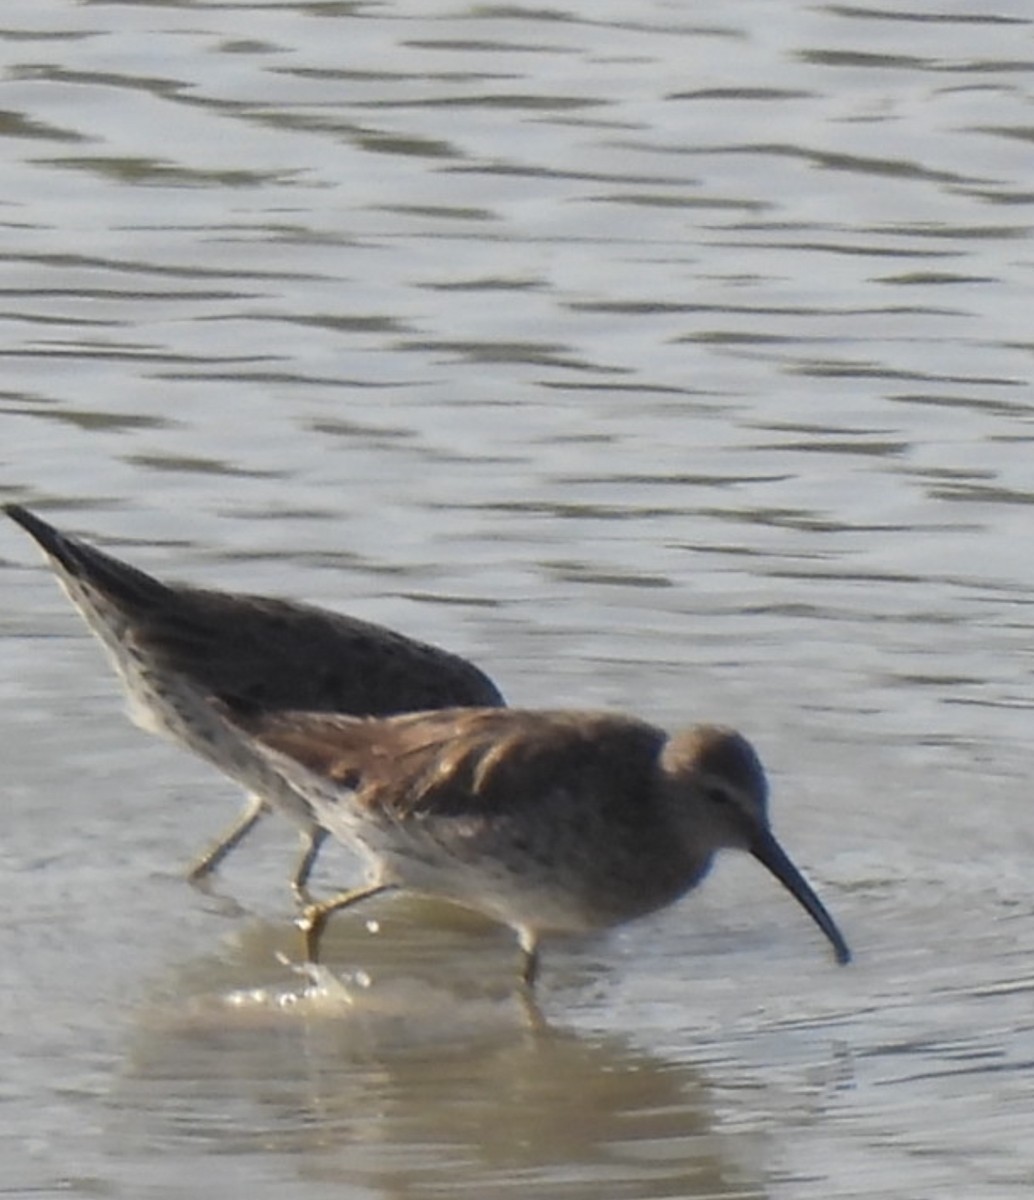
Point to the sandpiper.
(546, 821)
(182, 651)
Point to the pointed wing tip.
(50, 540)
(27, 520)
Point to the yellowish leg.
(314, 917)
(312, 840)
(250, 815)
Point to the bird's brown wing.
(464, 761)
(274, 656)
(264, 654)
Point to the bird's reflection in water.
(414, 1082)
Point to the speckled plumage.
(182, 651)
(548, 821)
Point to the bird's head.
(719, 798)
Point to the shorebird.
(183, 651)
(548, 822)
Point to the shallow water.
(675, 361)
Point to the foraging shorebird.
(545, 821)
(182, 651)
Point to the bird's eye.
(717, 794)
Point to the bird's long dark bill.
(768, 851)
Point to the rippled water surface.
(666, 357)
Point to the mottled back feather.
(468, 761)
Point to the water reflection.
(413, 1090)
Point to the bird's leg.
(533, 1018)
(312, 839)
(249, 817)
(314, 917)
(529, 944)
